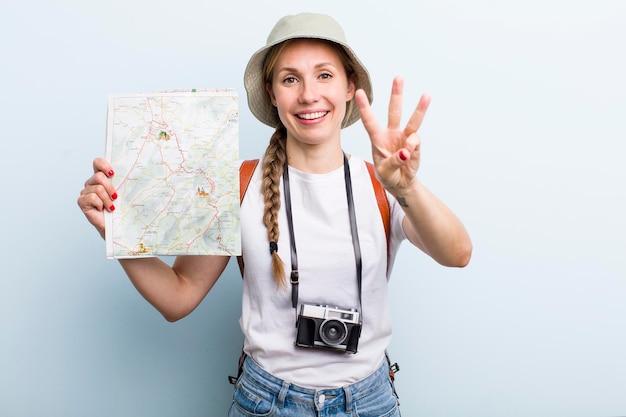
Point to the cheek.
(282, 100)
(282, 108)
(279, 104)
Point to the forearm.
(433, 227)
(174, 292)
(157, 283)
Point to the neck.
(314, 159)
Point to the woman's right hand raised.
(98, 194)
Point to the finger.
(417, 117)
(102, 165)
(101, 185)
(89, 200)
(412, 142)
(367, 115)
(100, 178)
(97, 196)
(103, 171)
(395, 103)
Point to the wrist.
(404, 190)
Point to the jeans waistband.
(315, 397)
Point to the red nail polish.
(112, 208)
(114, 196)
(402, 155)
(110, 173)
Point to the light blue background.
(524, 139)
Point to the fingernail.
(112, 208)
(110, 173)
(114, 196)
(402, 155)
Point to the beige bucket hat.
(303, 25)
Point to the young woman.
(314, 340)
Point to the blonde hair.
(276, 155)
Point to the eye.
(325, 76)
(289, 80)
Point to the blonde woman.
(315, 310)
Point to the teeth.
(311, 116)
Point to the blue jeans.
(258, 393)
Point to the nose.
(308, 92)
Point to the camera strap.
(295, 276)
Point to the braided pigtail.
(273, 165)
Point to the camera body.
(331, 328)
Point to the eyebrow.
(317, 66)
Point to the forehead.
(307, 50)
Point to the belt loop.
(348, 398)
(283, 394)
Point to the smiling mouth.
(312, 116)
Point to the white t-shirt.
(327, 268)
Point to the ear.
(270, 93)
(351, 90)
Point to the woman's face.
(310, 88)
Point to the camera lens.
(333, 332)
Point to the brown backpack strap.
(381, 199)
(245, 176)
(246, 170)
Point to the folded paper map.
(175, 156)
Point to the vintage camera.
(325, 327)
